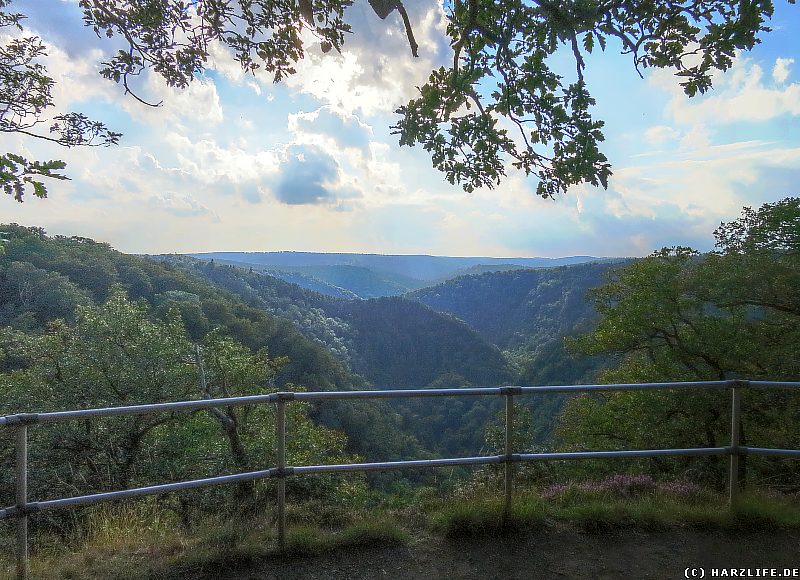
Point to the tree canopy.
(682, 315)
(499, 103)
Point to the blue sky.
(236, 162)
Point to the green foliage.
(771, 229)
(522, 432)
(527, 312)
(117, 354)
(17, 173)
(371, 533)
(400, 344)
(392, 342)
(520, 310)
(59, 274)
(94, 268)
(680, 315)
(32, 296)
(25, 95)
(481, 516)
(173, 38)
(119, 351)
(502, 69)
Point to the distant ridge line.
(376, 254)
(417, 270)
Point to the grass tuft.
(487, 517)
(112, 549)
(757, 512)
(307, 541)
(601, 511)
(374, 533)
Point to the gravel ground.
(554, 552)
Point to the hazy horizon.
(389, 255)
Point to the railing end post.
(280, 452)
(509, 393)
(21, 494)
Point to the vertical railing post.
(736, 417)
(22, 501)
(509, 450)
(280, 437)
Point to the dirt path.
(552, 553)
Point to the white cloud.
(179, 204)
(77, 81)
(780, 72)
(209, 162)
(659, 134)
(198, 105)
(375, 73)
(697, 137)
(220, 59)
(706, 184)
(76, 77)
(740, 94)
(337, 127)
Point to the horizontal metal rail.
(382, 466)
(766, 451)
(693, 452)
(510, 390)
(21, 422)
(392, 465)
(61, 416)
(141, 491)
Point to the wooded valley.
(86, 326)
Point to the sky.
(237, 163)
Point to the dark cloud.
(307, 177)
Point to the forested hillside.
(83, 326)
(401, 343)
(328, 343)
(336, 280)
(683, 315)
(398, 343)
(527, 313)
(391, 342)
(520, 308)
(43, 279)
(374, 275)
(46, 278)
(361, 282)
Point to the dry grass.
(138, 540)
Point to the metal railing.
(21, 422)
